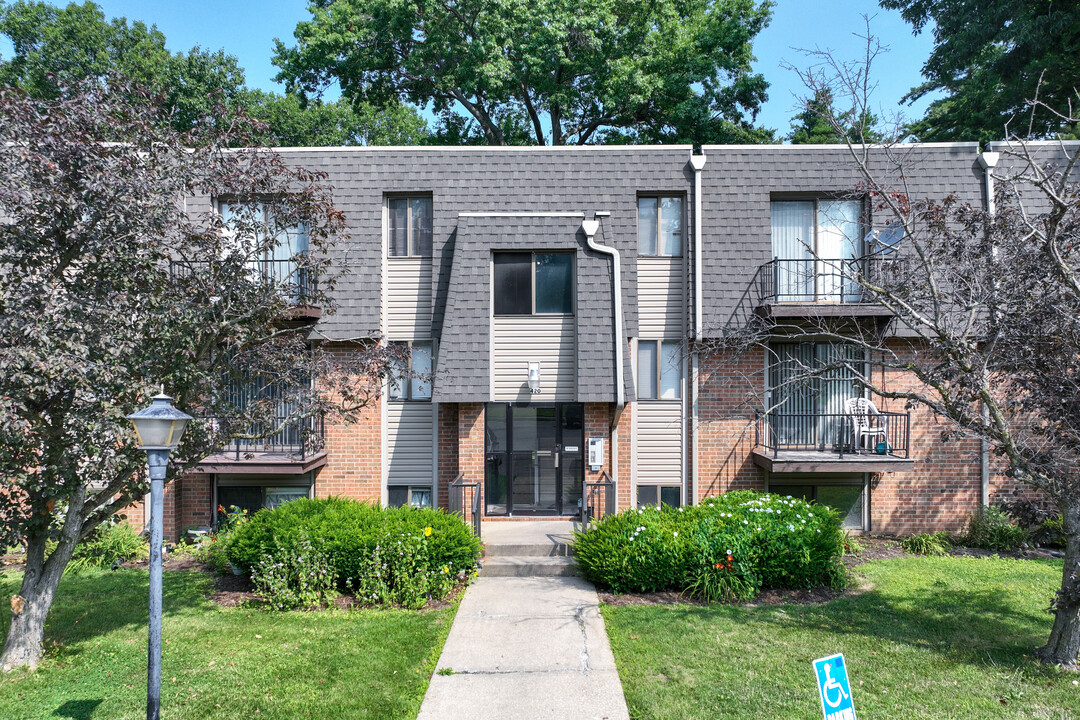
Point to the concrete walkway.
(523, 648)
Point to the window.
(814, 243)
(670, 495)
(255, 497)
(659, 370)
(289, 241)
(533, 283)
(846, 499)
(809, 384)
(275, 262)
(660, 224)
(413, 382)
(409, 226)
(415, 495)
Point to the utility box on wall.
(596, 454)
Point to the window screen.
(409, 226)
(513, 283)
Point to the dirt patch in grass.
(653, 598)
(874, 547)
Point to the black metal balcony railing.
(833, 432)
(300, 284)
(292, 437)
(812, 280)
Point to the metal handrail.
(295, 437)
(301, 284)
(814, 279)
(591, 492)
(829, 432)
(457, 501)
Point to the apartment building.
(561, 306)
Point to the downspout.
(988, 161)
(697, 162)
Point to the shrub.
(211, 551)
(387, 555)
(730, 547)
(108, 544)
(297, 575)
(991, 529)
(1043, 527)
(927, 544)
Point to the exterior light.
(534, 378)
(159, 428)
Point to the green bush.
(295, 576)
(730, 547)
(991, 529)
(927, 543)
(118, 542)
(360, 540)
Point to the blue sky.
(247, 28)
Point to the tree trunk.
(30, 607)
(1063, 647)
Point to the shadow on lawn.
(77, 709)
(94, 603)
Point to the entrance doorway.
(534, 458)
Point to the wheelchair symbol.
(832, 684)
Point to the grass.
(219, 662)
(946, 637)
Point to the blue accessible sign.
(834, 688)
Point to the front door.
(533, 458)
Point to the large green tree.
(292, 122)
(990, 58)
(548, 72)
(818, 123)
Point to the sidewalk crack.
(579, 614)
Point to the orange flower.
(729, 558)
(719, 565)
(221, 508)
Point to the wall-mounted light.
(534, 378)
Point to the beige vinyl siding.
(658, 441)
(409, 443)
(660, 296)
(549, 339)
(408, 298)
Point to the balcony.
(788, 442)
(278, 446)
(819, 288)
(299, 285)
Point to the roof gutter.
(590, 227)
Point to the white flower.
(675, 534)
(745, 522)
(728, 552)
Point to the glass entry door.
(533, 458)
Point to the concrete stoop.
(529, 550)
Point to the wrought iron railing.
(812, 280)
(833, 432)
(465, 501)
(300, 284)
(597, 499)
(295, 437)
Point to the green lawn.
(219, 662)
(930, 638)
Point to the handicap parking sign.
(834, 688)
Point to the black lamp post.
(159, 428)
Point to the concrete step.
(528, 566)
(549, 549)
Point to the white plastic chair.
(861, 410)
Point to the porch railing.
(812, 280)
(300, 284)
(832, 432)
(465, 500)
(597, 499)
(293, 437)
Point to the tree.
(293, 122)
(58, 48)
(555, 72)
(812, 125)
(110, 288)
(992, 59)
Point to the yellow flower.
(445, 569)
(427, 531)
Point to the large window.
(409, 226)
(659, 370)
(815, 243)
(809, 384)
(413, 381)
(660, 226)
(845, 496)
(415, 495)
(533, 283)
(246, 493)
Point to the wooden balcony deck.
(816, 461)
(262, 463)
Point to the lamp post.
(159, 428)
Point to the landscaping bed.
(934, 637)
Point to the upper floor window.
(253, 220)
(409, 226)
(660, 226)
(528, 283)
(414, 381)
(816, 244)
(659, 370)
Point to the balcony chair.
(866, 422)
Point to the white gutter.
(589, 227)
(697, 162)
(988, 161)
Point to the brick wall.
(448, 451)
(730, 386)
(625, 433)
